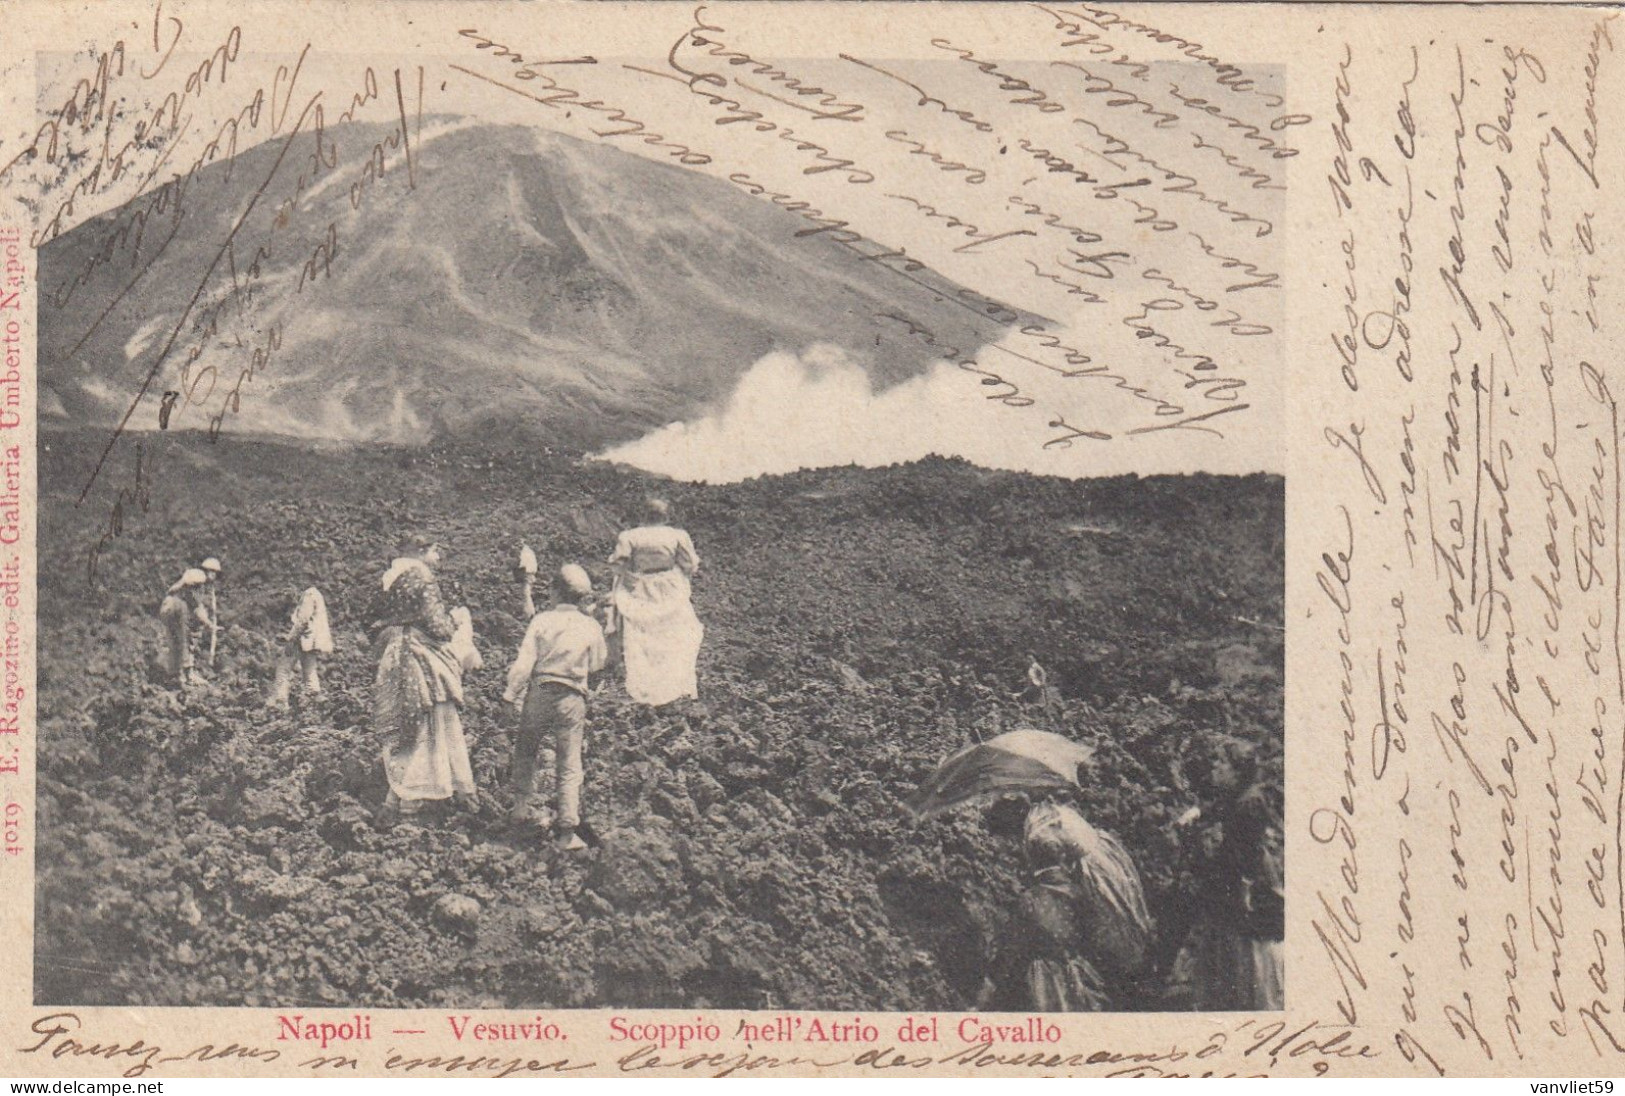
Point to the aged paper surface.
(1200, 384)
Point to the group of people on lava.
(423, 649)
(1081, 938)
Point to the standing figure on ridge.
(660, 635)
(1081, 933)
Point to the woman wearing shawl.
(1233, 959)
(307, 639)
(1081, 931)
(660, 635)
(419, 687)
(182, 606)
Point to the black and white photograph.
(667, 528)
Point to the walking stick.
(214, 624)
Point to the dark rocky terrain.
(861, 625)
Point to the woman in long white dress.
(660, 635)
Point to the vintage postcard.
(811, 539)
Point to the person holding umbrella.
(1081, 931)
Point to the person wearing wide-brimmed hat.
(660, 635)
(418, 691)
(182, 606)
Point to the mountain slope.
(517, 282)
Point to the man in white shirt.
(549, 681)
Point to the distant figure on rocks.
(1082, 930)
(1233, 960)
(1038, 691)
(183, 606)
(524, 572)
(549, 682)
(418, 691)
(659, 633)
(308, 638)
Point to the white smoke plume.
(818, 410)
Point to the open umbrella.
(1016, 761)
